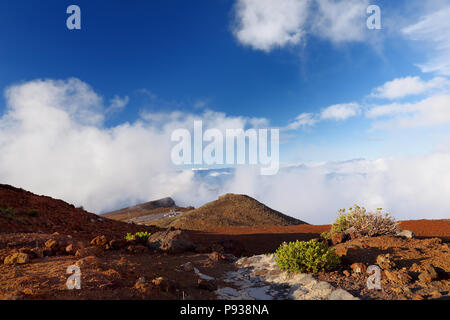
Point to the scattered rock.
(260, 278)
(17, 258)
(228, 257)
(171, 241)
(358, 267)
(51, 244)
(215, 256)
(436, 294)
(164, 284)
(89, 251)
(88, 261)
(407, 234)
(141, 283)
(209, 285)
(188, 267)
(341, 251)
(340, 294)
(398, 277)
(71, 250)
(429, 274)
(338, 238)
(99, 241)
(385, 262)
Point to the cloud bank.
(53, 142)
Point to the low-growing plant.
(325, 235)
(306, 256)
(360, 223)
(141, 236)
(129, 237)
(33, 212)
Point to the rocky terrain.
(41, 237)
(145, 209)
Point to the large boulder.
(17, 258)
(406, 234)
(171, 241)
(429, 274)
(100, 241)
(89, 251)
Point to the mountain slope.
(229, 210)
(24, 212)
(144, 209)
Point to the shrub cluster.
(360, 223)
(306, 256)
(140, 236)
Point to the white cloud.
(434, 28)
(337, 112)
(48, 147)
(340, 112)
(118, 103)
(340, 21)
(431, 111)
(403, 87)
(302, 120)
(266, 24)
(409, 188)
(53, 142)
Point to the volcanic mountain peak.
(143, 209)
(229, 210)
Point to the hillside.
(24, 212)
(145, 209)
(230, 210)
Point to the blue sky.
(186, 53)
(301, 58)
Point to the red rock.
(337, 238)
(429, 274)
(358, 267)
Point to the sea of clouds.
(54, 141)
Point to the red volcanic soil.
(28, 221)
(259, 240)
(24, 212)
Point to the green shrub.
(143, 236)
(306, 256)
(33, 212)
(129, 237)
(140, 236)
(361, 223)
(325, 235)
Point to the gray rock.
(341, 294)
(406, 234)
